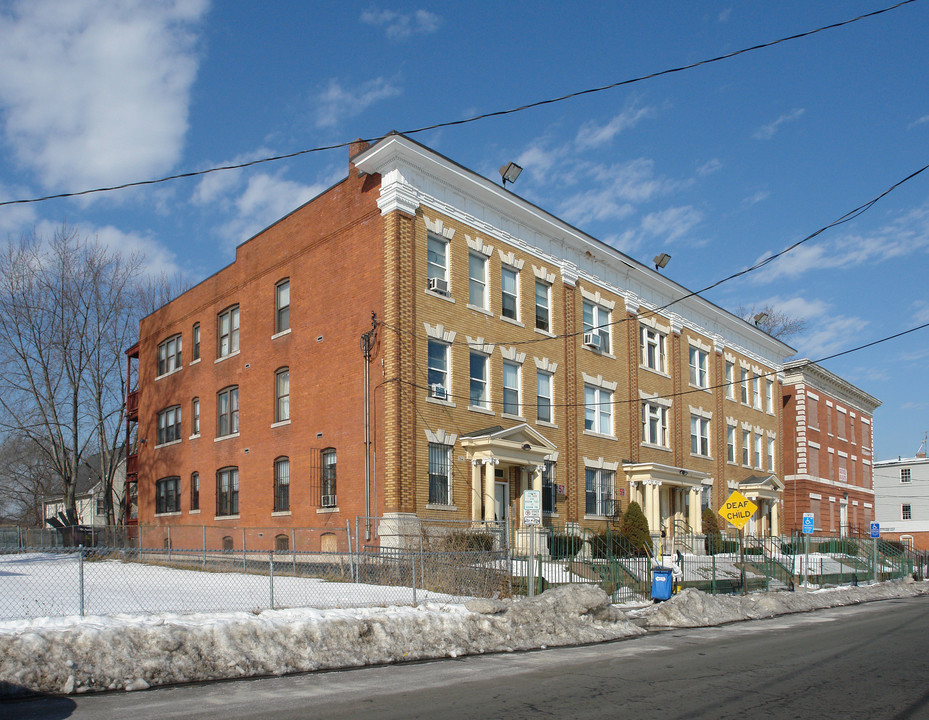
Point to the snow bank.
(68, 655)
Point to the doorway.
(501, 500)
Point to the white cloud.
(158, 259)
(15, 219)
(400, 25)
(709, 167)
(216, 185)
(96, 92)
(756, 197)
(921, 121)
(337, 103)
(592, 134)
(672, 223)
(724, 15)
(766, 132)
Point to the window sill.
(444, 403)
(169, 514)
(194, 512)
(168, 444)
(548, 514)
(282, 333)
(697, 456)
(225, 517)
(281, 423)
(704, 388)
(665, 448)
(324, 511)
(478, 409)
(194, 436)
(226, 357)
(195, 361)
(439, 295)
(546, 333)
(512, 321)
(508, 416)
(546, 423)
(444, 508)
(169, 374)
(225, 437)
(595, 517)
(654, 371)
(281, 513)
(601, 353)
(478, 308)
(604, 436)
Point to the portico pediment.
(520, 445)
(761, 486)
(656, 473)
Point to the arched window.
(328, 484)
(227, 543)
(282, 306)
(281, 543)
(227, 491)
(227, 411)
(281, 484)
(282, 395)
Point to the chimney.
(359, 146)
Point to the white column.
(475, 490)
(775, 519)
(489, 489)
(696, 519)
(537, 478)
(654, 521)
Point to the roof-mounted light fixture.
(661, 260)
(510, 172)
(760, 318)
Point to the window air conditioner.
(592, 340)
(438, 285)
(439, 392)
(328, 501)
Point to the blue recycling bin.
(661, 583)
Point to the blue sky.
(719, 166)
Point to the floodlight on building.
(661, 260)
(760, 318)
(510, 172)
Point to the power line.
(465, 121)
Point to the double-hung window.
(699, 436)
(167, 495)
(598, 410)
(543, 319)
(282, 395)
(769, 395)
(906, 512)
(228, 331)
(744, 380)
(699, 368)
(730, 443)
(548, 487)
(169, 355)
(758, 450)
(169, 425)
(653, 349)
(227, 491)
(329, 461)
(282, 306)
(771, 454)
(282, 484)
(756, 391)
(227, 411)
(654, 424)
(478, 371)
(437, 375)
(195, 351)
(440, 474)
(904, 475)
(195, 416)
(511, 402)
(599, 492)
(596, 320)
(730, 380)
(477, 280)
(747, 448)
(509, 291)
(437, 264)
(195, 491)
(543, 382)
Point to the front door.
(501, 500)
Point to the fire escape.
(132, 447)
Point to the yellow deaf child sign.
(737, 509)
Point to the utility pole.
(367, 343)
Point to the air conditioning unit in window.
(438, 392)
(328, 501)
(438, 285)
(592, 340)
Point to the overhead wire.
(465, 121)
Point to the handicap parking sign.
(807, 523)
(875, 530)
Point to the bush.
(711, 530)
(460, 541)
(788, 548)
(634, 528)
(612, 545)
(718, 546)
(836, 547)
(564, 546)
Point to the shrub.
(460, 541)
(711, 529)
(634, 528)
(564, 546)
(844, 547)
(614, 544)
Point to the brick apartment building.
(828, 451)
(508, 351)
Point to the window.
(228, 331)
(169, 355)
(100, 504)
(511, 388)
(542, 306)
(281, 543)
(227, 491)
(195, 416)
(699, 372)
(699, 436)
(549, 489)
(744, 379)
(746, 448)
(812, 411)
(195, 491)
(169, 425)
(543, 382)
(509, 287)
(438, 369)
(439, 471)
(771, 454)
(195, 351)
(598, 410)
(329, 462)
(282, 306)
(282, 484)
(227, 411)
(599, 492)
(730, 443)
(437, 264)
(840, 422)
(907, 511)
(904, 475)
(479, 381)
(730, 380)
(597, 323)
(655, 424)
(167, 497)
(758, 450)
(282, 395)
(769, 395)
(477, 280)
(653, 349)
(756, 391)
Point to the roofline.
(805, 366)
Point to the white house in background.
(90, 498)
(901, 499)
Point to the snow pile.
(75, 654)
(692, 608)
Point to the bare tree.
(68, 310)
(776, 323)
(25, 479)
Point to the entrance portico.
(670, 498)
(766, 492)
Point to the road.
(868, 661)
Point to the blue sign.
(807, 523)
(875, 530)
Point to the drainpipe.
(367, 341)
